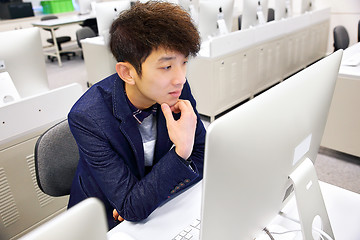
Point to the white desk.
(55, 23)
(342, 131)
(165, 222)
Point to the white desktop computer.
(86, 220)
(106, 13)
(21, 56)
(254, 13)
(251, 152)
(215, 18)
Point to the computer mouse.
(121, 236)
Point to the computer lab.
(179, 119)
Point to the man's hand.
(182, 131)
(117, 216)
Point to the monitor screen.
(21, 55)
(107, 12)
(210, 11)
(21, 10)
(251, 151)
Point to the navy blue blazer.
(111, 165)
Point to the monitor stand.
(309, 199)
(222, 27)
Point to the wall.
(344, 12)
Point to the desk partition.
(236, 67)
(23, 205)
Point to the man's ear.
(126, 72)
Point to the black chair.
(82, 33)
(59, 40)
(271, 15)
(56, 159)
(341, 38)
(91, 23)
(239, 22)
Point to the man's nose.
(179, 76)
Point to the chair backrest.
(91, 23)
(49, 17)
(239, 22)
(271, 15)
(56, 159)
(359, 31)
(341, 38)
(84, 32)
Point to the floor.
(332, 167)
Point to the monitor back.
(21, 55)
(251, 151)
(85, 220)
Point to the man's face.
(162, 79)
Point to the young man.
(139, 135)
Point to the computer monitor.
(283, 9)
(254, 13)
(306, 6)
(215, 18)
(251, 151)
(107, 12)
(86, 6)
(21, 10)
(21, 55)
(192, 7)
(86, 220)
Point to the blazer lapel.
(128, 126)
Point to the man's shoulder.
(97, 95)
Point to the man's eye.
(185, 62)
(167, 68)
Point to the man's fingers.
(167, 112)
(115, 214)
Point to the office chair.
(271, 15)
(239, 22)
(56, 159)
(59, 40)
(82, 33)
(341, 38)
(91, 23)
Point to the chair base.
(67, 54)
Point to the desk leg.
(57, 52)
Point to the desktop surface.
(165, 222)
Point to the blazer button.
(187, 180)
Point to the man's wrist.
(185, 161)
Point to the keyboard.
(190, 232)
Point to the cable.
(318, 230)
(291, 231)
(268, 233)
